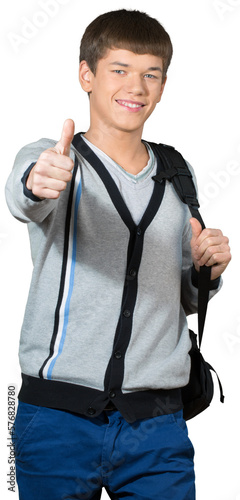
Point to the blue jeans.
(63, 456)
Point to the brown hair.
(125, 29)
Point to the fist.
(53, 170)
(209, 248)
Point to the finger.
(51, 188)
(64, 145)
(49, 159)
(55, 184)
(49, 194)
(219, 267)
(218, 262)
(59, 174)
(213, 256)
(214, 244)
(196, 229)
(206, 234)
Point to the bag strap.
(176, 170)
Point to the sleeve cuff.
(214, 284)
(29, 194)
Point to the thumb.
(63, 146)
(196, 228)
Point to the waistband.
(91, 402)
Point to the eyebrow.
(152, 68)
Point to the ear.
(85, 76)
(162, 88)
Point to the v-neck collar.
(155, 201)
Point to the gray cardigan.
(106, 313)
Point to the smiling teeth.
(131, 105)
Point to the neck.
(124, 148)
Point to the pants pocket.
(26, 417)
(181, 429)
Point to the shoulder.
(173, 157)
(35, 148)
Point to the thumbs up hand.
(210, 248)
(53, 170)
(63, 146)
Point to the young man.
(104, 343)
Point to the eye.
(119, 71)
(149, 75)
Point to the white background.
(199, 115)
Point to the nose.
(135, 85)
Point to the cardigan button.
(91, 411)
(118, 355)
(126, 313)
(112, 394)
(133, 273)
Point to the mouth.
(131, 105)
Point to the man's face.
(124, 91)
